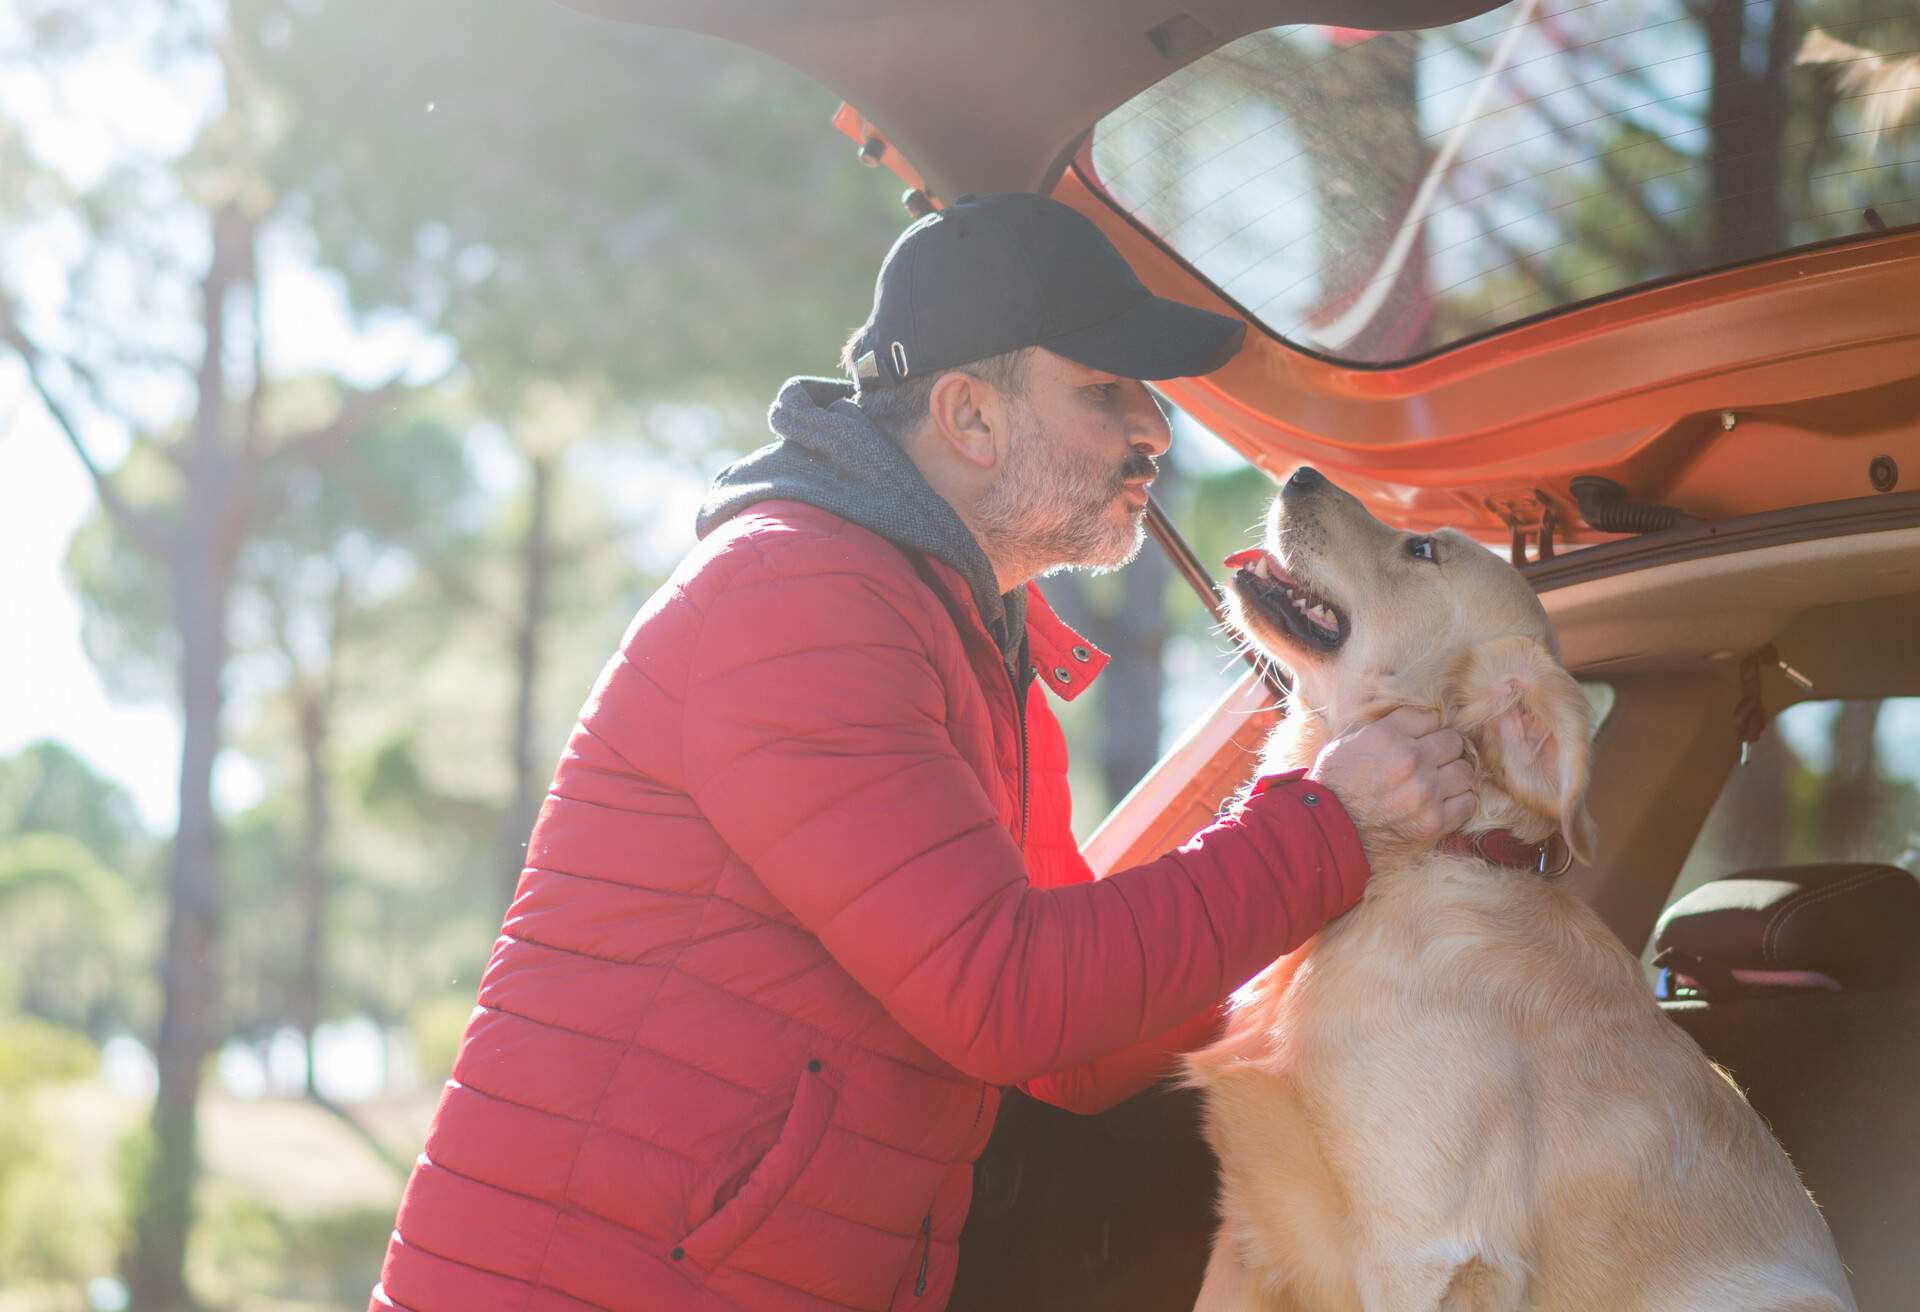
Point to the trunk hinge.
(1529, 513)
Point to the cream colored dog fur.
(1461, 1095)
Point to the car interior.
(1628, 290)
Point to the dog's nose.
(1305, 479)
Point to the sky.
(48, 688)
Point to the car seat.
(1804, 983)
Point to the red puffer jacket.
(794, 909)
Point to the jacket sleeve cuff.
(1337, 834)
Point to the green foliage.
(436, 1027)
(640, 211)
(49, 1229)
(35, 1052)
(52, 1232)
(69, 933)
(334, 1255)
(1219, 513)
(245, 1250)
(125, 625)
(74, 865)
(389, 776)
(57, 862)
(46, 787)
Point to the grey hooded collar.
(828, 454)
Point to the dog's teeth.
(1260, 567)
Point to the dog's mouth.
(1280, 599)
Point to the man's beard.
(1049, 512)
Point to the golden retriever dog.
(1461, 1094)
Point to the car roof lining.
(1672, 637)
(1036, 73)
(1841, 610)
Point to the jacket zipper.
(1020, 687)
(926, 1254)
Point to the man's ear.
(1531, 724)
(965, 415)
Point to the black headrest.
(1858, 925)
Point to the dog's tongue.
(1243, 559)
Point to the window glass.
(1599, 700)
(1830, 781)
(1377, 196)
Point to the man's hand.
(1401, 778)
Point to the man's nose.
(1147, 425)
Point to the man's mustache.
(1140, 465)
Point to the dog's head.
(1367, 617)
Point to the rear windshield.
(1373, 197)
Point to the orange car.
(1630, 289)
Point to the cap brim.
(1155, 338)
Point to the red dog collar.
(1551, 858)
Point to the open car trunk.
(1669, 246)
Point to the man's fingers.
(1454, 812)
(1413, 721)
(1440, 746)
(1456, 780)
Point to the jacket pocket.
(714, 1239)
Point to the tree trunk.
(202, 572)
(1366, 161)
(1847, 810)
(537, 574)
(311, 873)
(1750, 46)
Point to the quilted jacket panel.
(791, 917)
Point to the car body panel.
(1815, 355)
(994, 95)
(1747, 389)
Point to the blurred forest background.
(396, 344)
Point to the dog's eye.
(1423, 549)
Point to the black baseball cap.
(992, 274)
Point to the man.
(804, 893)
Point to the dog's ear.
(1530, 723)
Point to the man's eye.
(1105, 391)
(1422, 549)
